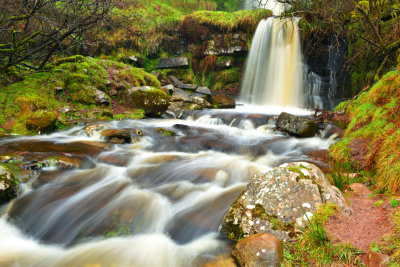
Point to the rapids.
(156, 202)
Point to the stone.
(168, 89)
(101, 98)
(154, 102)
(180, 95)
(296, 126)
(42, 121)
(117, 136)
(175, 81)
(173, 63)
(223, 101)
(222, 261)
(201, 102)
(90, 130)
(276, 202)
(203, 90)
(224, 63)
(191, 87)
(259, 250)
(376, 259)
(8, 185)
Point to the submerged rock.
(278, 201)
(8, 184)
(153, 101)
(43, 121)
(297, 126)
(259, 250)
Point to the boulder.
(101, 98)
(175, 81)
(203, 90)
(173, 63)
(376, 259)
(8, 185)
(201, 102)
(117, 136)
(278, 201)
(168, 89)
(153, 101)
(191, 87)
(90, 130)
(296, 126)
(43, 121)
(223, 101)
(180, 95)
(259, 250)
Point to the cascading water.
(274, 69)
(156, 202)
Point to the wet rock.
(276, 202)
(203, 90)
(185, 86)
(376, 259)
(117, 136)
(223, 101)
(330, 130)
(173, 63)
(259, 250)
(101, 98)
(201, 102)
(165, 132)
(180, 95)
(222, 261)
(8, 184)
(94, 128)
(42, 121)
(297, 126)
(153, 101)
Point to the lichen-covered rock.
(223, 101)
(8, 184)
(278, 201)
(41, 121)
(259, 250)
(153, 101)
(297, 126)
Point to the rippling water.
(156, 202)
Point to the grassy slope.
(375, 117)
(76, 77)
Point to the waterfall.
(274, 69)
(276, 7)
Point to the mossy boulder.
(8, 184)
(42, 121)
(223, 101)
(297, 126)
(154, 101)
(277, 202)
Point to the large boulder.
(223, 101)
(43, 121)
(259, 250)
(297, 126)
(173, 63)
(280, 201)
(8, 184)
(154, 102)
(180, 95)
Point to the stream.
(156, 202)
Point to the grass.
(315, 248)
(375, 117)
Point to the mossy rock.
(297, 126)
(42, 121)
(154, 101)
(8, 184)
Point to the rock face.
(8, 185)
(153, 101)
(42, 120)
(277, 202)
(297, 126)
(259, 250)
(223, 101)
(173, 63)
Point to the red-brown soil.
(367, 224)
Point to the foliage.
(314, 246)
(33, 30)
(375, 117)
(390, 244)
(340, 175)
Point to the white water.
(163, 204)
(276, 7)
(274, 70)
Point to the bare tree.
(31, 31)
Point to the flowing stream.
(156, 202)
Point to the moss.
(165, 132)
(8, 178)
(232, 229)
(390, 244)
(299, 171)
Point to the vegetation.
(315, 247)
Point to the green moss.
(165, 132)
(299, 171)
